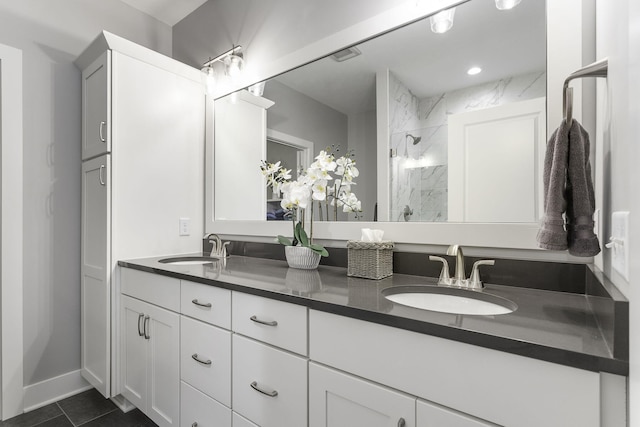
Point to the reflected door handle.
(101, 132)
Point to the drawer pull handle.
(146, 327)
(272, 393)
(401, 422)
(140, 316)
(194, 425)
(196, 302)
(195, 357)
(263, 322)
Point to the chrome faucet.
(459, 278)
(218, 249)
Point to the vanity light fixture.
(507, 4)
(474, 70)
(257, 89)
(442, 21)
(208, 78)
(233, 64)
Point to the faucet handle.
(444, 279)
(474, 280)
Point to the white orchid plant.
(327, 182)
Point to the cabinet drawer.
(206, 303)
(261, 371)
(240, 421)
(275, 322)
(154, 288)
(196, 407)
(432, 415)
(211, 346)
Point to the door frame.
(11, 241)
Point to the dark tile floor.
(87, 409)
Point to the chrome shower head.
(415, 139)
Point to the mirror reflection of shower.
(415, 139)
(419, 174)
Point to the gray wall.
(618, 38)
(298, 115)
(51, 35)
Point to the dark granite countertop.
(557, 327)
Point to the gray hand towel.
(552, 234)
(568, 189)
(581, 204)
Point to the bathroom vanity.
(250, 340)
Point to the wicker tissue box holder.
(370, 260)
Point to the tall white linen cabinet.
(143, 133)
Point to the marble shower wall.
(418, 172)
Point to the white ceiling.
(168, 11)
(503, 43)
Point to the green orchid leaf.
(284, 241)
(319, 249)
(302, 235)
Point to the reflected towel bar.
(597, 69)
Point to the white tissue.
(371, 235)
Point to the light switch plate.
(620, 238)
(185, 226)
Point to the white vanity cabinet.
(474, 382)
(281, 364)
(142, 148)
(337, 399)
(150, 340)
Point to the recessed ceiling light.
(474, 70)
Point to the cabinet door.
(134, 351)
(96, 91)
(432, 415)
(163, 367)
(95, 271)
(340, 400)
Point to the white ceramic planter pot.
(301, 257)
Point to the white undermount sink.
(449, 300)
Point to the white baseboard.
(51, 390)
